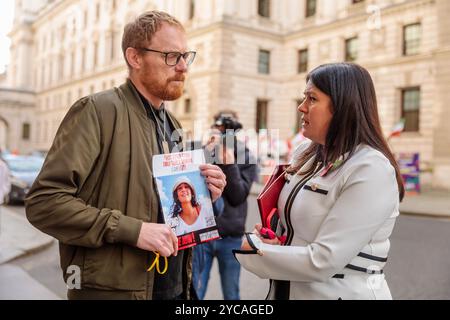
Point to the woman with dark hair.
(340, 199)
(185, 209)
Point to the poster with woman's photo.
(184, 197)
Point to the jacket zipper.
(290, 201)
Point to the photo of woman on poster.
(185, 209)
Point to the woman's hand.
(246, 246)
(257, 230)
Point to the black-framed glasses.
(172, 58)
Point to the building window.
(264, 8)
(50, 72)
(191, 9)
(26, 131)
(261, 114)
(61, 66)
(97, 11)
(187, 106)
(69, 98)
(72, 63)
(42, 75)
(264, 62)
(311, 6)
(302, 60)
(95, 54)
(114, 38)
(46, 136)
(411, 39)
(351, 49)
(85, 18)
(83, 59)
(411, 108)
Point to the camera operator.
(240, 170)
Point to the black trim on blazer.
(237, 251)
(356, 268)
(371, 257)
(282, 289)
(290, 201)
(250, 242)
(322, 191)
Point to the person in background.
(340, 199)
(230, 209)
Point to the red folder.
(268, 198)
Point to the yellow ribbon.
(155, 264)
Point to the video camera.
(227, 122)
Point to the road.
(418, 265)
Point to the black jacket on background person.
(231, 222)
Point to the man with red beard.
(96, 192)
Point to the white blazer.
(337, 228)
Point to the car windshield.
(25, 164)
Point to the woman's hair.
(355, 117)
(176, 208)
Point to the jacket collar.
(132, 98)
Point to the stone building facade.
(252, 57)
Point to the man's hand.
(226, 156)
(215, 179)
(223, 154)
(158, 237)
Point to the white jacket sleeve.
(368, 198)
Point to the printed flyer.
(184, 197)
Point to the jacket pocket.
(115, 267)
(71, 257)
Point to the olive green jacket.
(96, 188)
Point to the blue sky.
(7, 10)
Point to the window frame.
(26, 131)
(264, 8)
(262, 116)
(309, 11)
(404, 113)
(302, 67)
(260, 52)
(348, 57)
(407, 49)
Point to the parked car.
(24, 170)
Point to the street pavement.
(418, 267)
(18, 238)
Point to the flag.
(398, 128)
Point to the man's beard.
(166, 91)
